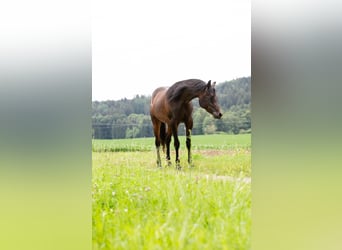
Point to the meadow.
(139, 206)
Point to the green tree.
(116, 119)
(198, 118)
(132, 132)
(209, 126)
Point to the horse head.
(208, 100)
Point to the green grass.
(222, 141)
(138, 206)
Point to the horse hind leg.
(158, 157)
(156, 130)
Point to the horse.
(172, 106)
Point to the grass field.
(219, 142)
(138, 206)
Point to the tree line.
(130, 118)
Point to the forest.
(129, 118)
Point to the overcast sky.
(138, 46)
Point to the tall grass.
(138, 206)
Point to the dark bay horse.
(172, 106)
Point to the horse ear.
(209, 84)
(214, 83)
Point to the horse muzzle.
(217, 115)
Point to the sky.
(138, 46)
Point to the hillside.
(130, 118)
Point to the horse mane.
(187, 89)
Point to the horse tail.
(163, 135)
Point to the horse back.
(157, 92)
(165, 110)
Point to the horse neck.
(190, 94)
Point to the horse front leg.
(188, 146)
(188, 126)
(168, 141)
(176, 144)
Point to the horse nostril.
(220, 114)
